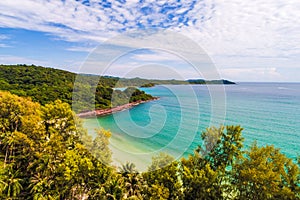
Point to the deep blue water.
(268, 112)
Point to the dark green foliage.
(202, 81)
(196, 81)
(41, 84)
(138, 82)
(148, 85)
(136, 95)
(45, 85)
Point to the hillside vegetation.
(45, 85)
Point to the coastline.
(107, 111)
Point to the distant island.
(89, 92)
(144, 83)
(190, 81)
(202, 81)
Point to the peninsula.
(107, 111)
(88, 91)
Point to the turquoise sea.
(268, 112)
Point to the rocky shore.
(102, 112)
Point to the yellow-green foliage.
(265, 173)
(45, 153)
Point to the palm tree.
(41, 187)
(132, 181)
(8, 141)
(128, 168)
(12, 183)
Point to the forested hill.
(46, 85)
(41, 84)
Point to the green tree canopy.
(265, 173)
(45, 153)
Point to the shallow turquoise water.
(268, 112)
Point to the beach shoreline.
(107, 111)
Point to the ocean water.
(268, 112)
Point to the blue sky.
(247, 40)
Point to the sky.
(250, 40)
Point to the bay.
(268, 112)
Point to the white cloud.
(10, 60)
(157, 56)
(81, 49)
(234, 30)
(75, 21)
(252, 74)
(70, 20)
(232, 27)
(4, 37)
(268, 28)
(151, 71)
(4, 45)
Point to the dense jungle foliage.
(45, 153)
